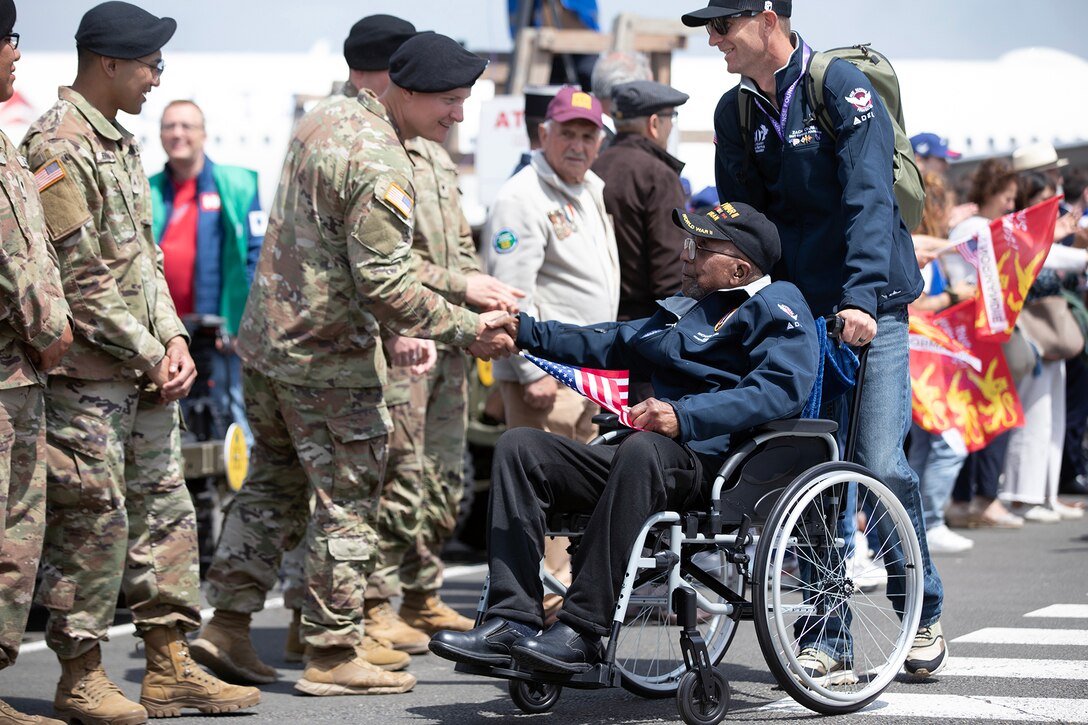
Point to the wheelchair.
(771, 548)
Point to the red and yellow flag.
(960, 385)
(1008, 259)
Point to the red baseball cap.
(571, 104)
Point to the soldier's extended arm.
(100, 313)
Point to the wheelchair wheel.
(697, 707)
(815, 601)
(534, 697)
(648, 652)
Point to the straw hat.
(1037, 157)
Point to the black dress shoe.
(559, 649)
(489, 644)
(1077, 486)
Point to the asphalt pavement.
(1016, 619)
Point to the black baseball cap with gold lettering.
(729, 8)
(753, 234)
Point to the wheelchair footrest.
(599, 676)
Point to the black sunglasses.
(721, 25)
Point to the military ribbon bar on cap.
(49, 174)
(399, 199)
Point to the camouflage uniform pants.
(22, 506)
(118, 514)
(421, 493)
(324, 443)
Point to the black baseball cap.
(752, 233)
(729, 8)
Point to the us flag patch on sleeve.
(49, 174)
(400, 200)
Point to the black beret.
(7, 17)
(537, 99)
(374, 39)
(433, 63)
(644, 98)
(752, 233)
(118, 29)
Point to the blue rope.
(836, 372)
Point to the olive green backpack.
(908, 185)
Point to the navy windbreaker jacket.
(843, 241)
(726, 363)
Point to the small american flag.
(48, 175)
(607, 388)
(969, 250)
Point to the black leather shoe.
(1077, 486)
(559, 649)
(489, 644)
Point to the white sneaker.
(867, 575)
(1036, 513)
(943, 540)
(1067, 513)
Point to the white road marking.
(1023, 635)
(1063, 611)
(975, 707)
(1021, 668)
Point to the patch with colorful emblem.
(504, 241)
(788, 311)
(861, 99)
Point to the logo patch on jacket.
(400, 200)
(722, 321)
(562, 221)
(861, 99)
(49, 174)
(788, 311)
(210, 201)
(258, 223)
(804, 136)
(504, 241)
(759, 138)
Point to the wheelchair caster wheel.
(534, 697)
(697, 707)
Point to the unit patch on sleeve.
(505, 241)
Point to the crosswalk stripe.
(1023, 635)
(1064, 611)
(1023, 668)
(974, 707)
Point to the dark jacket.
(229, 233)
(725, 363)
(641, 188)
(843, 241)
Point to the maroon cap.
(571, 104)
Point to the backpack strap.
(815, 75)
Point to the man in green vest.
(209, 224)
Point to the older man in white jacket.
(549, 235)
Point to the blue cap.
(932, 146)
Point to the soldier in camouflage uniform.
(34, 334)
(334, 268)
(119, 514)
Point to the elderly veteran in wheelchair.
(733, 351)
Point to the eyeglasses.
(671, 115)
(12, 40)
(181, 125)
(691, 248)
(721, 25)
(156, 68)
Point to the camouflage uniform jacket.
(98, 215)
(336, 256)
(32, 308)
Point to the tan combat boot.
(427, 612)
(224, 648)
(293, 649)
(342, 671)
(10, 716)
(380, 653)
(382, 622)
(84, 693)
(173, 681)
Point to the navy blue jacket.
(844, 243)
(725, 363)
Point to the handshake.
(495, 335)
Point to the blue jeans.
(937, 466)
(227, 391)
(885, 419)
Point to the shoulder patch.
(788, 311)
(504, 241)
(399, 199)
(49, 174)
(62, 200)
